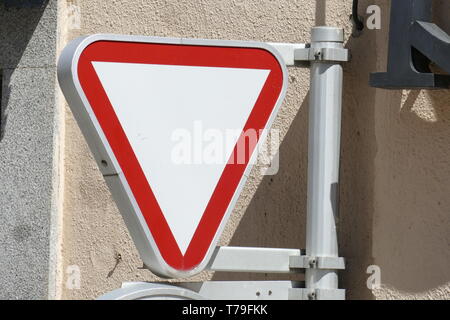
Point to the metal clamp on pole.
(327, 46)
(321, 54)
(317, 294)
(306, 262)
(300, 54)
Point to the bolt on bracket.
(321, 54)
(316, 294)
(306, 262)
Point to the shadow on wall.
(278, 208)
(358, 152)
(394, 179)
(276, 215)
(18, 20)
(411, 225)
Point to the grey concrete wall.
(28, 149)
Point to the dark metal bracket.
(414, 42)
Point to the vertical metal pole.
(323, 157)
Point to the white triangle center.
(157, 104)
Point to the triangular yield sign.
(147, 107)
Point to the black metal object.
(359, 25)
(414, 42)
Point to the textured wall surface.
(29, 151)
(394, 209)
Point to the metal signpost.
(121, 92)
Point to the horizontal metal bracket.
(287, 51)
(269, 260)
(316, 294)
(300, 54)
(247, 259)
(243, 290)
(321, 54)
(222, 290)
(333, 263)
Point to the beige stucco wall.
(395, 170)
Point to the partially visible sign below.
(133, 97)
